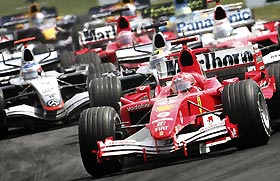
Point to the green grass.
(63, 6)
(270, 12)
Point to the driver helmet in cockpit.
(30, 69)
(38, 19)
(222, 26)
(182, 82)
(125, 38)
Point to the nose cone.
(163, 118)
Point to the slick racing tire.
(97, 124)
(66, 59)
(88, 58)
(40, 48)
(274, 70)
(105, 91)
(3, 119)
(244, 104)
(97, 70)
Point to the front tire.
(244, 103)
(97, 124)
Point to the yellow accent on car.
(50, 33)
(165, 107)
(199, 103)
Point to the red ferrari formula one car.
(124, 37)
(187, 111)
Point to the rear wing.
(13, 19)
(107, 33)
(210, 62)
(98, 35)
(202, 21)
(228, 58)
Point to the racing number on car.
(161, 126)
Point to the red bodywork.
(123, 26)
(265, 35)
(165, 114)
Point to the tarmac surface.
(54, 155)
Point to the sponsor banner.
(226, 58)
(205, 22)
(103, 33)
(110, 32)
(138, 107)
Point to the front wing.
(70, 107)
(135, 144)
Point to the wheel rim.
(264, 115)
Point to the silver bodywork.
(15, 59)
(47, 86)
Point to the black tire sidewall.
(240, 102)
(97, 124)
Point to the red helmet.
(125, 38)
(182, 82)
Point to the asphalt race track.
(54, 155)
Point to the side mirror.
(144, 89)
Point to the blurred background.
(263, 9)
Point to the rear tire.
(66, 59)
(97, 124)
(105, 91)
(88, 58)
(244, 104)
(97, 70)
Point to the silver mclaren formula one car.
(49, 96)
